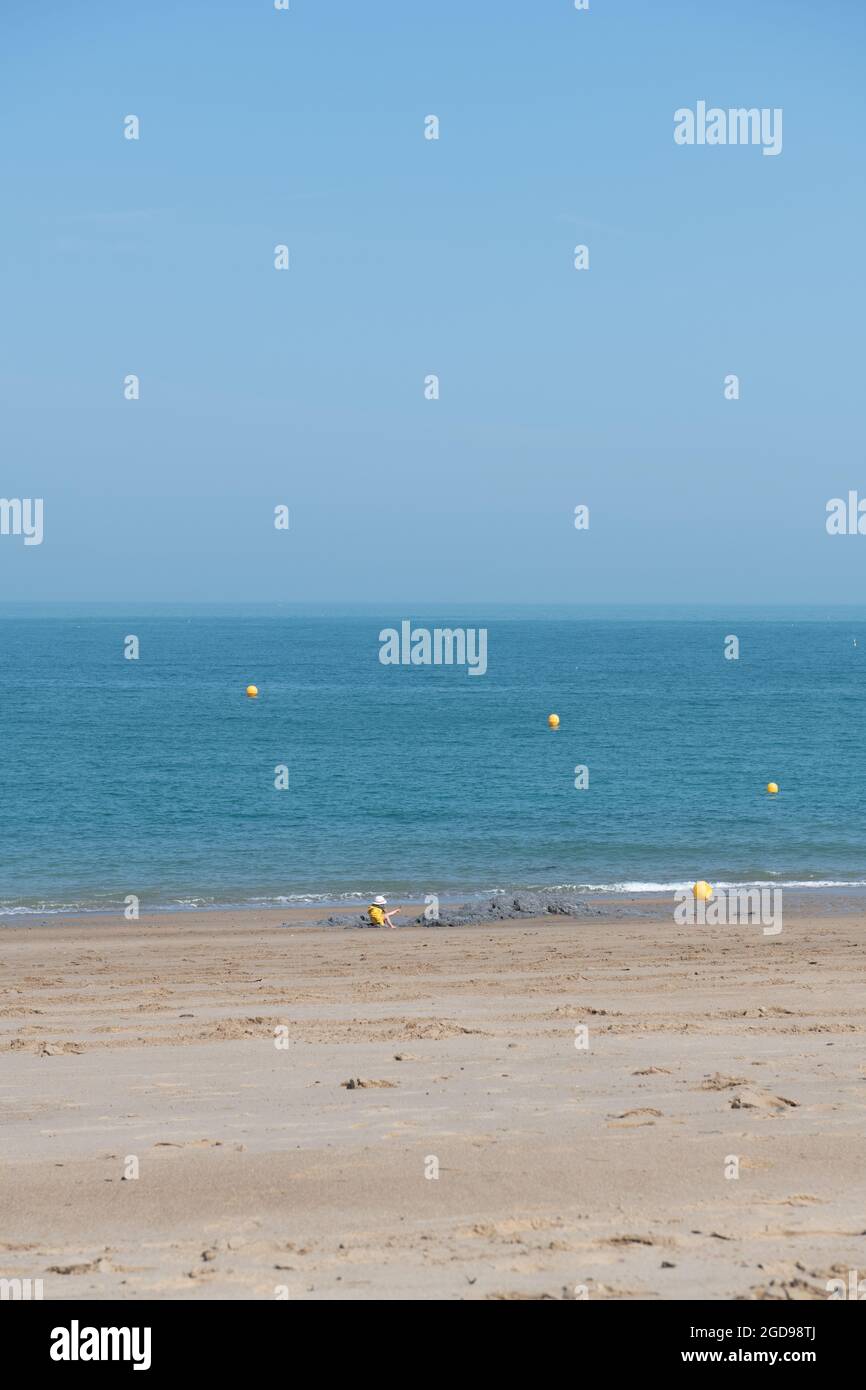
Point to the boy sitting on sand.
(377, 916)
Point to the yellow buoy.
(772, 788)
(553, 721)
(252, 691)
(702, 889)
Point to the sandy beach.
(210, 1053)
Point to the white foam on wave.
(681, 886)
(454, 895)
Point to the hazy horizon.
(399, 609)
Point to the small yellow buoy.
(702, 889)
(252, 691)
(772, 788)
(553, 721)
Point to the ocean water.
(155, 777)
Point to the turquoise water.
(156, 777)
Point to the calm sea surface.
(156, 776)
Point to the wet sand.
(209, 1052)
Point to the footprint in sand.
(786, 1291)
(188, 1144)
(751, 1099)
(100, 1266)
(356, 1082)
(718, 1082)
(797, 1199)
(629, 1119)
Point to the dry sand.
(262, 1175)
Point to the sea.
(156, 776)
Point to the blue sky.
(411, 257)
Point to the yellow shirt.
(376, 915)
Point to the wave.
(680, 885)
(98, 907)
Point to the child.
(378, 917)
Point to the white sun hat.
(380, 901)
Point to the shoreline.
(823, 901)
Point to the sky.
(410, 257)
